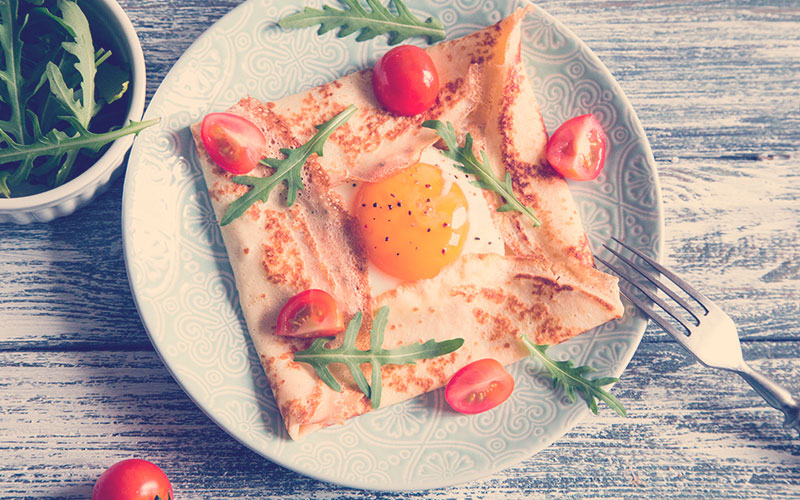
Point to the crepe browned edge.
(547, 288)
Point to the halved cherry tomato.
(405, 80)
(479, 386)
(132, 479)
(312, 313)
(233, 142)
(577, 149)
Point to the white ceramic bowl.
(70, 196)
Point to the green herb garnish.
(572, 379)
(288, 169)
(468, 163)
(319, 357)
(56, 143)
(53, 84)
(378, 20)
(83, 106)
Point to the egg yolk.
(412, 223)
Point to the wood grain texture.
(67, 415)
(715, 84)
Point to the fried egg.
(417, 221)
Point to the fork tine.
(686, 287)
(650, 313)
(648, 310)
(677, 298)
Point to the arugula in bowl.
(63, 95)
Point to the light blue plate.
(184, 288)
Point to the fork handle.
(775, 395)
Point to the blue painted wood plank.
(711, 83)
(690, 433)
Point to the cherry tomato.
(405, 80)
(233, 142)
(132, 479)
(577, 150)
(312, 313)
(479, 386)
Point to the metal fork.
(712, 339)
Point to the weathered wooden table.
(717, 88)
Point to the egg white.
(482, 236)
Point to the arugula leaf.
(468, 163)
(83, 49)
(11, 74)
(42, 11)
(64, 93)
(84, 106)
(319, 357)
(572, 379)
(4, 191)
(113, 81)
(378, 20)
(56, 143)
(288, 169)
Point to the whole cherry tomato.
(405, 80)
(479, 386)
(132, 479)
(312, 313)
(233, 142)
(577, 149)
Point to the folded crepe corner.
(546, 287)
